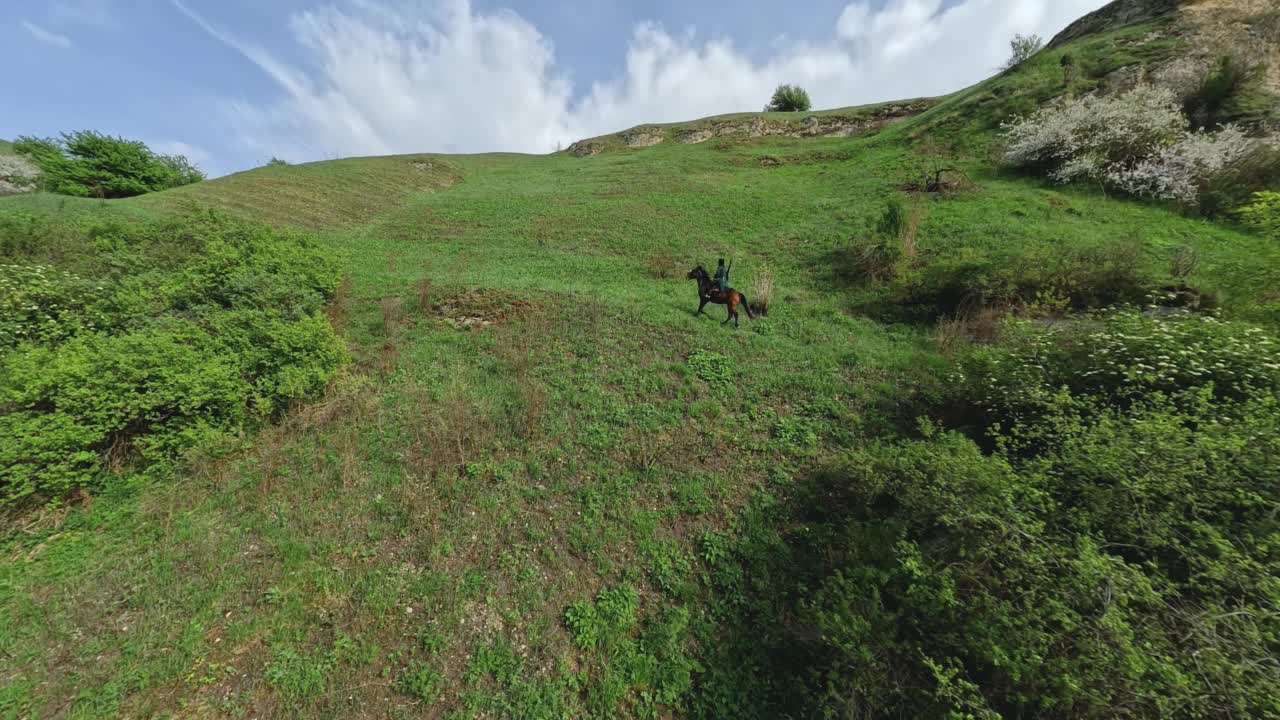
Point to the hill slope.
(545, 488)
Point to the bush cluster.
(1111, 553)
(189, 329)
(1138, 143)
(90, 164)
(1078, 278)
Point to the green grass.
(6, 147)
(535, 425)
(314, 196)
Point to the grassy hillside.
(544, 488)
(315, 195)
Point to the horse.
(709, 293)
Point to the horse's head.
(696, 274)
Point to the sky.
(233, 83)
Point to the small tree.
(789, 98)
(1022, 47)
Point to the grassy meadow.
(537, 488)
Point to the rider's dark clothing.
(722, 277)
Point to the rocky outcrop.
(855, 122)
(692, 137)
(1207, 30)
(642, 137)
(584, 148)
(17, 175)
(1114, 15)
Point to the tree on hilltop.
(1021, 48)
(789, 98)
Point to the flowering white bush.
(1136, 142)
(1085, 136)
(1178, 171)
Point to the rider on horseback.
(722, 276)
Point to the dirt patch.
(481, 307)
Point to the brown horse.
(709, 293)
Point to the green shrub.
(420, 682)
(1236, 183)
(90, 164)
(41, 304)
(1086, 278)
(299, 676)
(650, 666)
(1121, 359)
(1233, 91)
(1115, 550)
(1263, 214)
(882, 254)
(198, 327)
(714, 369)
(789, 98)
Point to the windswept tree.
(91, 164)
(1021, 48)
(789, 98)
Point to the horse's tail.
(747, 304)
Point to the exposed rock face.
(1208, 30)
(17, 175)
(831, 125)
(584, 149)
(641, 137)
(692, 137)
(1114, 15)
(1248, 29)
(1211, 29)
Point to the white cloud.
(94, 13)
(443, 76)
(45, 36)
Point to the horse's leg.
(702, 303)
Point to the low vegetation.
(1263, 213)
(123, 344)
(1108, 550)
(1002, 447)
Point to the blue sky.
(231, 83)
